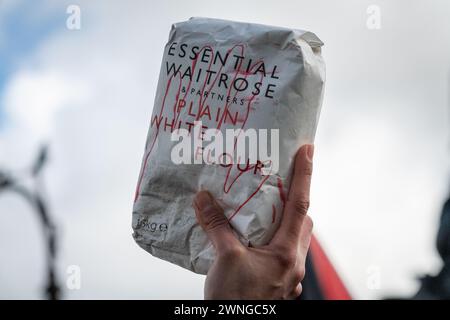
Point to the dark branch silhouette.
(9, 183)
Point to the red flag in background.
(321, 282)
(329, 281)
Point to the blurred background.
(381, 164)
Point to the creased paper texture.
(227, 75)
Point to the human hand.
(273, 271)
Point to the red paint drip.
(281, 191)
(244, 121)
(249, 198)
(201, 102)
(144, 166)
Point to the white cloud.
(33, 98)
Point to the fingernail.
(203, 199)
(310, 152)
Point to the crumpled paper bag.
(289, 99)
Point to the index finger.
(297, 204)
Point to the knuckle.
(211, 210)
(213, 218)
(298, 290)
(215, 224)
(299, 275)
(293, 293)
(286, 260)
(301, 206)
(230, 253)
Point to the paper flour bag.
(221, 81)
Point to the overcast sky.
(381, 163)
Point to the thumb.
(211, 218)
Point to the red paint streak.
(176, 114)
(244, 121)
(144, 166)
(229, 91)
(249, 198)
(274, 213)
(264, 178)
(236, 73)
(281, 191)
(225, 189)
(193, 66)
(201, 102)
